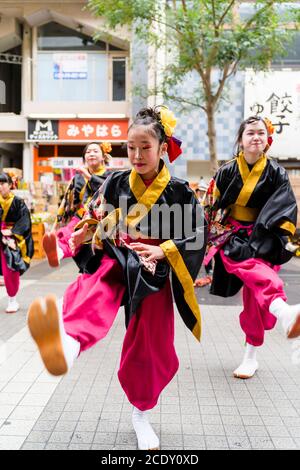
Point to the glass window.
(119, 79)
(54, 36)
(292, 58)
(72, 76)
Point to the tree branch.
(251, 20)
(222, 84)
(184, 6)
(181, 100)
(225, 13)
(214, 16)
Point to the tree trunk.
(211, 133)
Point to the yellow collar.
(6, 204)
(146, 197)
(250, 178)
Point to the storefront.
(59, 144)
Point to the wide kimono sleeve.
(185, 257)
(276, 222)
(95, 182)
(71, 203)
(22, 233)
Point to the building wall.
(192, 129)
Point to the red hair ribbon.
(270, 141)
(174, 149)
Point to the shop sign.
(77, 130)
(42, 130)
(119, 163)
(276, 95)
(70, 66)
(88, 130)
(65, 162)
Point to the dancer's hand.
(6, 232)
(78, 237)
(151, 252)
(84, 172)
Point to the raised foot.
(44, 328)
(50, 247)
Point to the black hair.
(150, 117)
(106, 156)
(5, 178)
(249, 120)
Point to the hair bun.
(148, 113)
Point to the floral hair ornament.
(169, 121)
(106, 147)
(270, 129)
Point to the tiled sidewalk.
(204, 407)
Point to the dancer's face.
(144, 152)
(254, 140)
(4, 189)
(94, 157)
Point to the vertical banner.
(276, 95)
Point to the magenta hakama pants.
(11, 278)
(262, 285)
(63, 236)
(148, 360)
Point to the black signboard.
(42, 130)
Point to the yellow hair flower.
(168, 121)
(269, 125)
(106, 147)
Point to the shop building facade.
(60, 88)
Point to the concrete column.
(28, 162)
(34, 55)
(26, 66)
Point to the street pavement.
(204, 407)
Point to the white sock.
(70, 345)
(147, 439)
(286, 313)
(60, 253)
(250, 353)
(279, 308)
(249, 365)
(12, 300)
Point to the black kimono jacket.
(145, 213)
(78, 195)
(261, 195)
(18, 248)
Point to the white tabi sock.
(13, 305)
(289, 315)
(147, 439)
(249, 365)
(71, 346)
(60, 253)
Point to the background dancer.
(16, 241)
(252, 212)
(84, 184)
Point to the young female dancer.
(152, 224)
(16, 241)
(85, 183)
(252, 211)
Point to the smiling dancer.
(252, 212)
(85, 183)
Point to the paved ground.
(203, 408)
